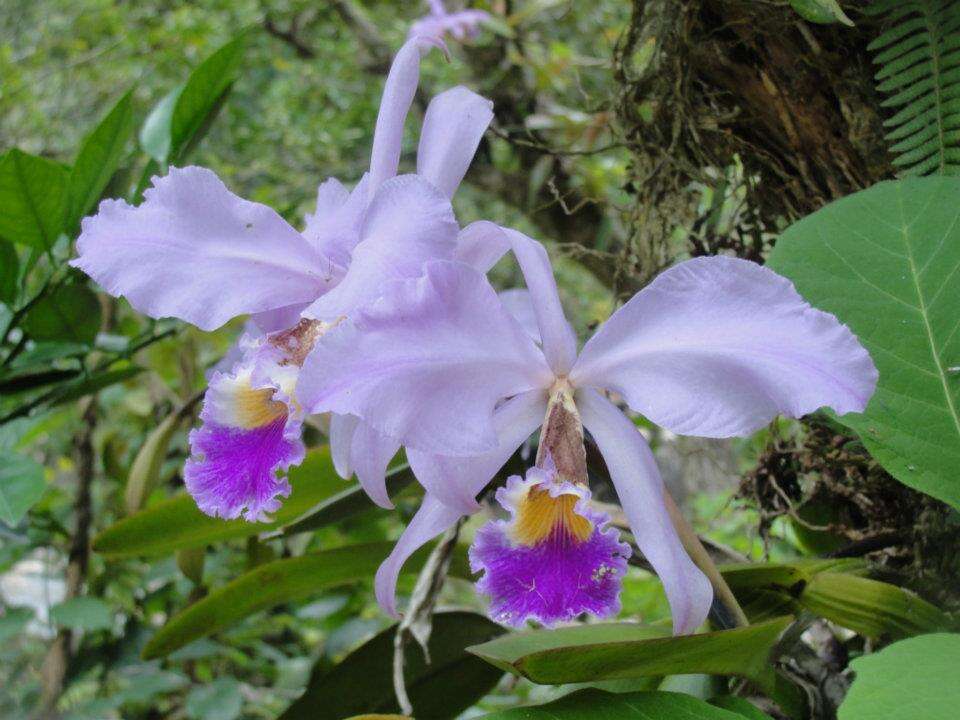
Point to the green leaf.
(145, 471)
(219, 700)
(32, 195)
(912, 679)
(83, 613)
(24, 382)
(886, 262)
(177, 121)
(81, 387)
(597, 705)
(21, 485)
(610, 651)
(270, 584)
(176, 523)
(155, 133)
(821, 11)
(98, 160)
(9, 273)
(68, 312)
(739, 706)
(345, 503)
(870, 607)
(13, 621)
(448, 685)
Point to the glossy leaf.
(83, 613)
(345, 503)
(597, 705)
(81, 387)
(177, 120)
(912, 679)
(362, 682)
(145, 470)
(611, 651)
(271, 584)
(33, 196)
(98, 160)
(9, 273)
(177, 523)
(870, 607)
(886, 261)
(821, 11)
(68, 312)
(738, 705)
(21, 485)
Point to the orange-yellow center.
(540, 514)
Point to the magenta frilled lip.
(554, 559)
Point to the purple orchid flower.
(461, 24)
(714, 347)
(195, 251)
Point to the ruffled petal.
(554, 559)
(407, 224)
(456, 481)
(195, 251)
(427, 363)
(636, 478)
(248, 435)
(717, 347)
(453, 126)
(481, 244)
(431, 519)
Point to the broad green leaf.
(98, 159)
(13, 621)
(177, 121)
(155, 132)
(609, 651)
(886, 262)
(21, 485)
(177, 523)
(44, 353)
(270, 584)
(219, 700)
(33, 196)
(821, 11)
(912, 679)
(9, 273)
(870, 607)
(739, 706)
(362, 683)
(68, 312)
(597, 705)
(83, 613)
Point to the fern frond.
(918, 59)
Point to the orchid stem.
(701, 558)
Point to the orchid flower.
(461, 24)
(195, 251)
(714, 347)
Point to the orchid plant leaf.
(597, 705)
(612, 651)
(361, 683)
(273, 583)
(176, 523)
(886, 261)
(32, 195)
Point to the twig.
(418, 620)
(290, 37)
(56, 662)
